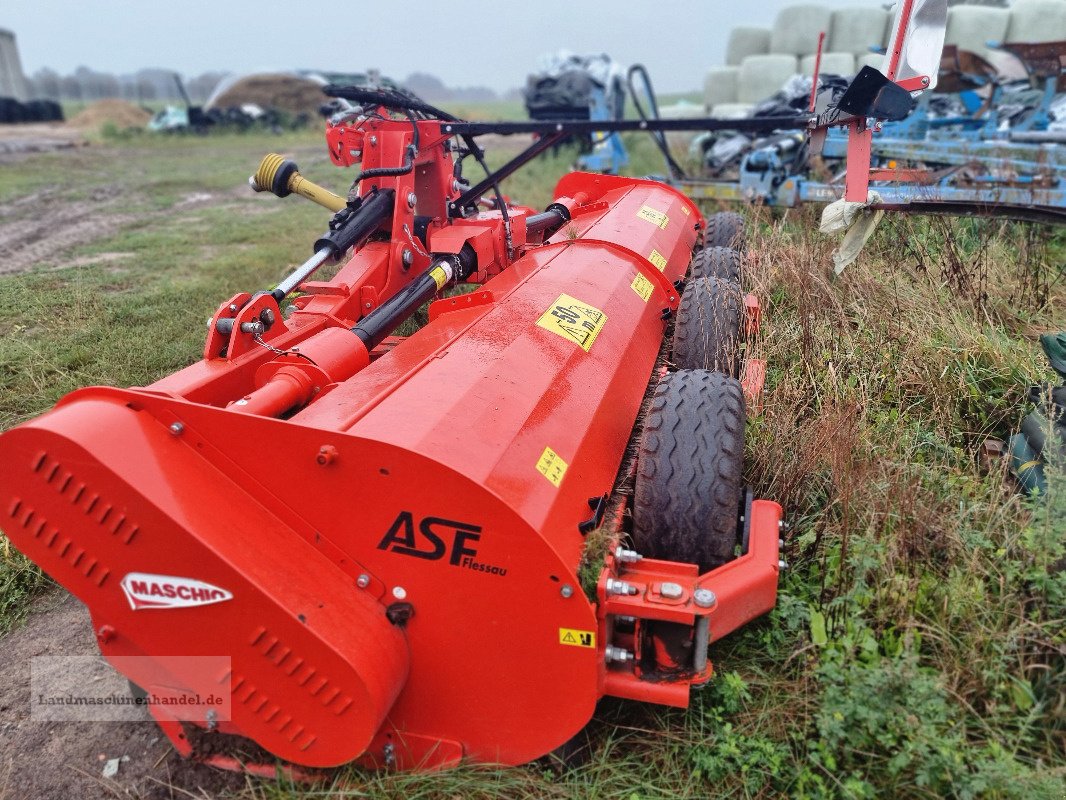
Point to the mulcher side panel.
(100, 494)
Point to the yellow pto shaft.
(280, 176)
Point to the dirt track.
(64, 760)
(29, 232)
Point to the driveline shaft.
(378, 324)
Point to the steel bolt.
(362, 581)
(106, 633)
(177, 428)
(612, 653)
(412, 199)
(233, 308)
(373, 140)
(408, 257)
(670, 590)
(704, 598)
(614, 586)
(567, 591)
(212, 719)
(627, 556)
(368, 304)
(399, 592)
(782, 564)
(327, 454)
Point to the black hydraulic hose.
(408, 159)
(389, 98)
(657, 136)
(379, 323)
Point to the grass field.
(918, 648)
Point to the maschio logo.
(145, 590)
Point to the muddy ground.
(65, 760)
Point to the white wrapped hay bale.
(971, 27)
(796, 29)
(761, 76)
(1036, 21)
(720, 86)
(832, 64)
(746, 41)
(855, 30)
(875, 60)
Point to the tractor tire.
(707, 330)
(723, 263)
(687, 495)
(725, 229)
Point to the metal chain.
(258, 339)
(411, 240)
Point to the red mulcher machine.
(383, 534)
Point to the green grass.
(918, 648)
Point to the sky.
(468, 43)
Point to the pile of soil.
(283, 92)
(118, 112)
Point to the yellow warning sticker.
(551, 466)
(576, 638)
(439, 276)
(653, 216)
(658, 259)
(573, 320)
(642, 286)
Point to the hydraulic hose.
(408, 159)
(657, 136)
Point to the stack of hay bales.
(760, 60)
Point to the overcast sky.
(467, 43)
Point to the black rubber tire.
(723, 263)
(707, 330)
(686, 500)
(725, 229)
